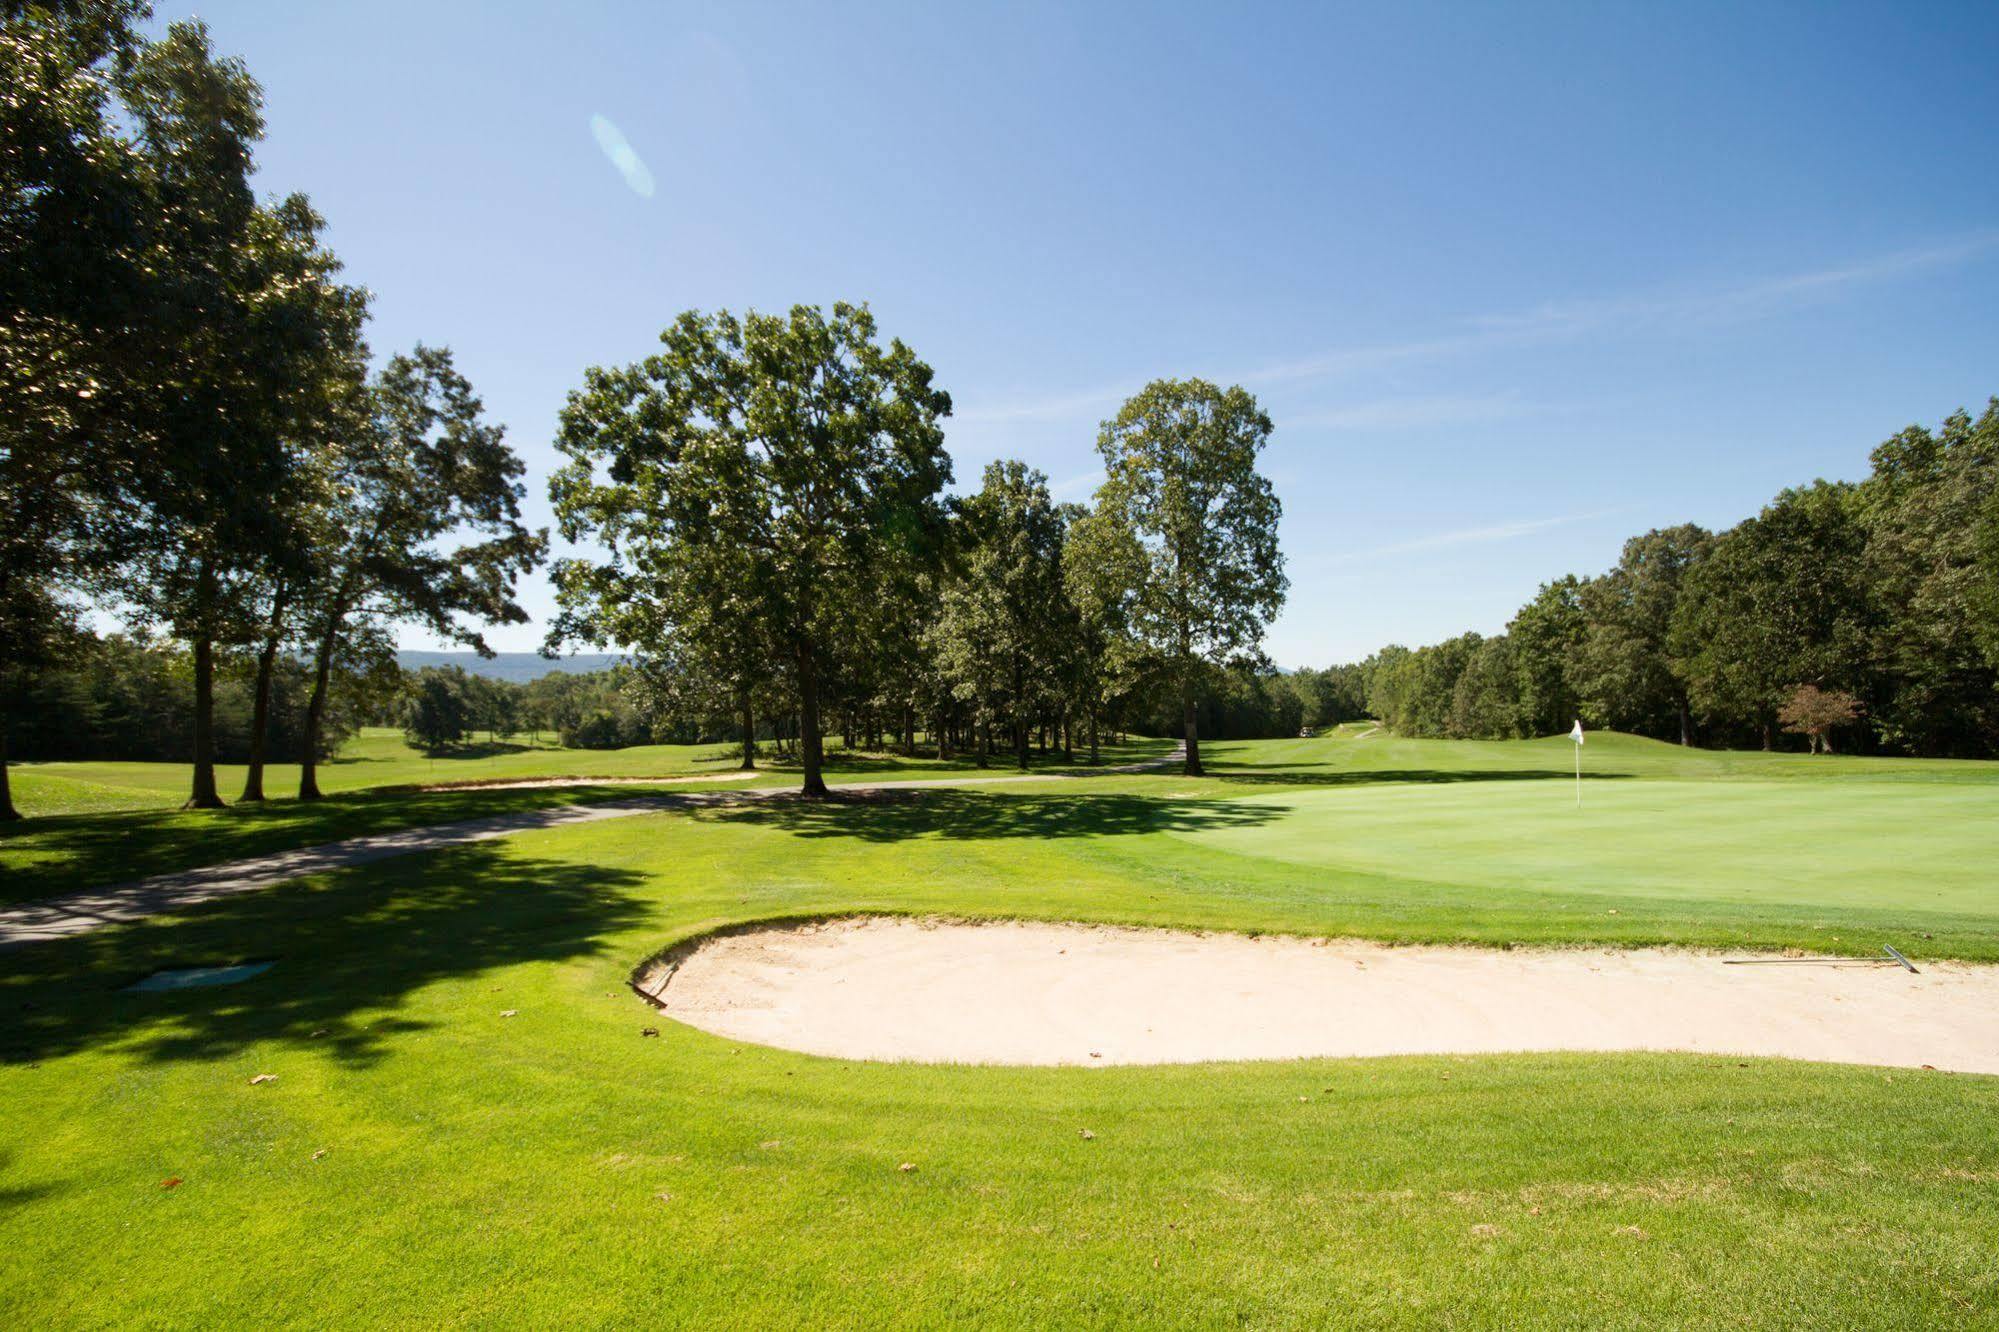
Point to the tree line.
(1865, 611)
(195, 438)
(192, 435)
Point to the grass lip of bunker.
(1013, 992)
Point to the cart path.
(92, 908)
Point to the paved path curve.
(92, 908)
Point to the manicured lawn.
(379, 757)
(557, 1167)
(93, 824)
(1868, 845)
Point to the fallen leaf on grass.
(1636, 1232)
(1485, 1230)
(509, 1012)
(317, 1034)
(771, 1146)
(648, 1031)
(906, 1167)
(1087, 1135)
(173, 1183)
(263, 1078)
(321, 1152)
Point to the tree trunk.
(1686, 724)
(204, 795)
(749, 734)
(811, 752)
(1767, 745)
(1020, 743)
(315, 714)
(1093, 737)
(260, 722)
(260, 712)
(1192, 729)
(909, 730)
(8, 814)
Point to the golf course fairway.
(458, 1086)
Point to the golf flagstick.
(1577, 736)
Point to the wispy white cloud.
(1556, 321)
(1413, 413)
(1465, 536)
(1748, 300)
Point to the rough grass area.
(422, 1158)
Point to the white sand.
(1062, 994)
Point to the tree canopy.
(1181, 487)
(797, 441)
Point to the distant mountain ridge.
(516, 667)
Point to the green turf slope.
(424, 1159)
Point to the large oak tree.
(799, 440)
(1180, 480)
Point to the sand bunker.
(1063, 994)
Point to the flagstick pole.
(1579, 776)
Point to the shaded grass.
(45, 857)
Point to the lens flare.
(623, 156)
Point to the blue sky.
(1515, 282)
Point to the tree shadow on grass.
(961, 815)
(349, 947)
(460, 750)
(86, 851)
(1251, 776)
(20, 1195)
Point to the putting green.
(1927, 848)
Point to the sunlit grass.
(422, 1157)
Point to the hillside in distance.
(517, 667)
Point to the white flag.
(1577, 734)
